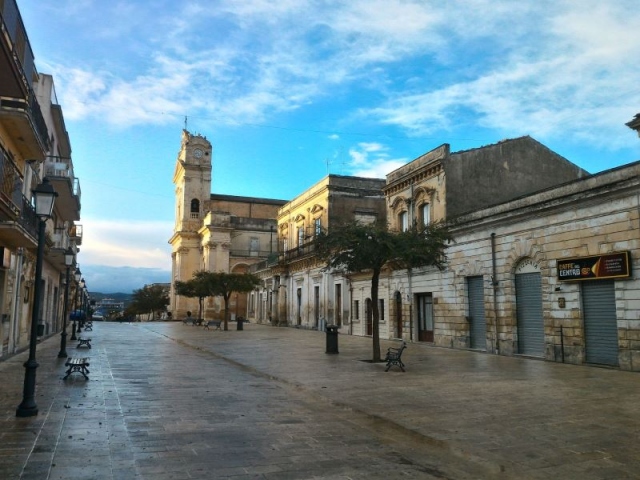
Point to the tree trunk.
(200, 306)
(375, 331)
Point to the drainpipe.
(17, 298)
(410, 299)
(350, 306)
(494, 284)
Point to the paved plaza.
(170, 401)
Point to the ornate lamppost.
(81, 306)
(85, 304)
(44, 197)
(69, 257)
(77, 276)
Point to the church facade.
(213, 232)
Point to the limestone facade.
(34, 145)
(577, 223)
(297, 291)
(214, 232)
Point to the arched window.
(425, 214)
(195, 208)
(403, 221)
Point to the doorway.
(424, 303)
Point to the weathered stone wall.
(497, 173)
(595, 216)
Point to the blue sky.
(289, 91)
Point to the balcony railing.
(28, 218)
(283, 258)
(301, 251)
(10, 182)
(76, 234)
(62, 167)
(12, 25)
(60, 238)
(249, 253)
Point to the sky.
(290, 91)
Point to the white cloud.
(126, 243)
(577, 81)
(371, 160)
(524, 67)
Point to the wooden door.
(424, 302)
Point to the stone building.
(547, 275)
(34, 144)
(214, 232)
(297, 290)
(441, 185)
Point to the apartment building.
(34, 144)
(297, 290)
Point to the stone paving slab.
(170, 401)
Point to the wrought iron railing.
(10, 182)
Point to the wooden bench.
(213, 323)
(394, 357)
(78, 365)
(84, 342)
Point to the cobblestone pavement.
(170, 401)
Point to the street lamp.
(69, 257)
(85, 302)
(76, 276)
(44, 196)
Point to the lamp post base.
(28, 407)
(63, 345)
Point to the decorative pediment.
(399, 201)
(299, 218)
(317, 208)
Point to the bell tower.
(192, 180)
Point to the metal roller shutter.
(529, 314)
(600, 324)
(478, 326)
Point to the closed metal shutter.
(600, 324)
(529, 314)
(478, 323)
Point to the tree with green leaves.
(359, 248)
(196, 287)
(149, 299)
(225, 284)
(205, 284)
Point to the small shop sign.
(612, 265)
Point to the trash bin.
(40, 329)
(332, 339)
(239, 323)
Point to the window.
(381, 308)
(285, 244)
(317, 226)
(426, 214)
(403, 221)
(195, 208)
(254, 246)
(356, 309)
(300, 236)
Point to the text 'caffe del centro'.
(613, 265)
